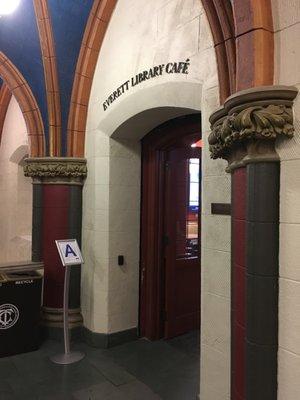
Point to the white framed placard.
(69, 252)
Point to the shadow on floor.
(139, 370)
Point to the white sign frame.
(61, 245)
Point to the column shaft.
(262, 234)
(57, 214)
(56, 200)
(238, 279)
(244, 132)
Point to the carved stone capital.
(250, 122)
(56, 170)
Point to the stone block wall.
(15, 189)
(286, 15)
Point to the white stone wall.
(286, 15)
(15, 189)
(141, 35)
(215, 268)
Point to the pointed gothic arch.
(18, 86)
(242, 31)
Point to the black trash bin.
(20, 304)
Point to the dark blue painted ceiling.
(69, 18)
(19, 41)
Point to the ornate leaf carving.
(49, 169)
(255, 122)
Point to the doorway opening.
(170, 229)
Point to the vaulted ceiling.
(31, 44)
(49, 50)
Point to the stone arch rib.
(220, 17)
(5, 96)
(243, 37)
(254, 43)
(92, 40)
(51, 77)
(18, 86)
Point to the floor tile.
(188, 343)
(103, 391)
(139, 370)
(7, 368)
(136, 390)
(112, 372)
(69, 378)
(5, 387)
(63, 396)
(7, 396)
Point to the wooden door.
(181, 233)
(161, 315)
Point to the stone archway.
(244, 46)
(18, 86)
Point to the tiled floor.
(140, 370)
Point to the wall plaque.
(221, 208)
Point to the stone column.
(57, 214)
(244, 132)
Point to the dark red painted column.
(262, 279)
(238, 281)
(56, 201)
(57, 214)
(244, 132)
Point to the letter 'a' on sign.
(69, 252)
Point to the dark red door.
(181, 236)
(170, 260)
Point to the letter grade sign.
(69, 252)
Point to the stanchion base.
(68, 358)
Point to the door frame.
(154, 145)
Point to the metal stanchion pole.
(66, 310)
(68, 357)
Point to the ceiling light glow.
(8, 6)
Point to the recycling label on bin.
(9, 315)
(69, 252)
